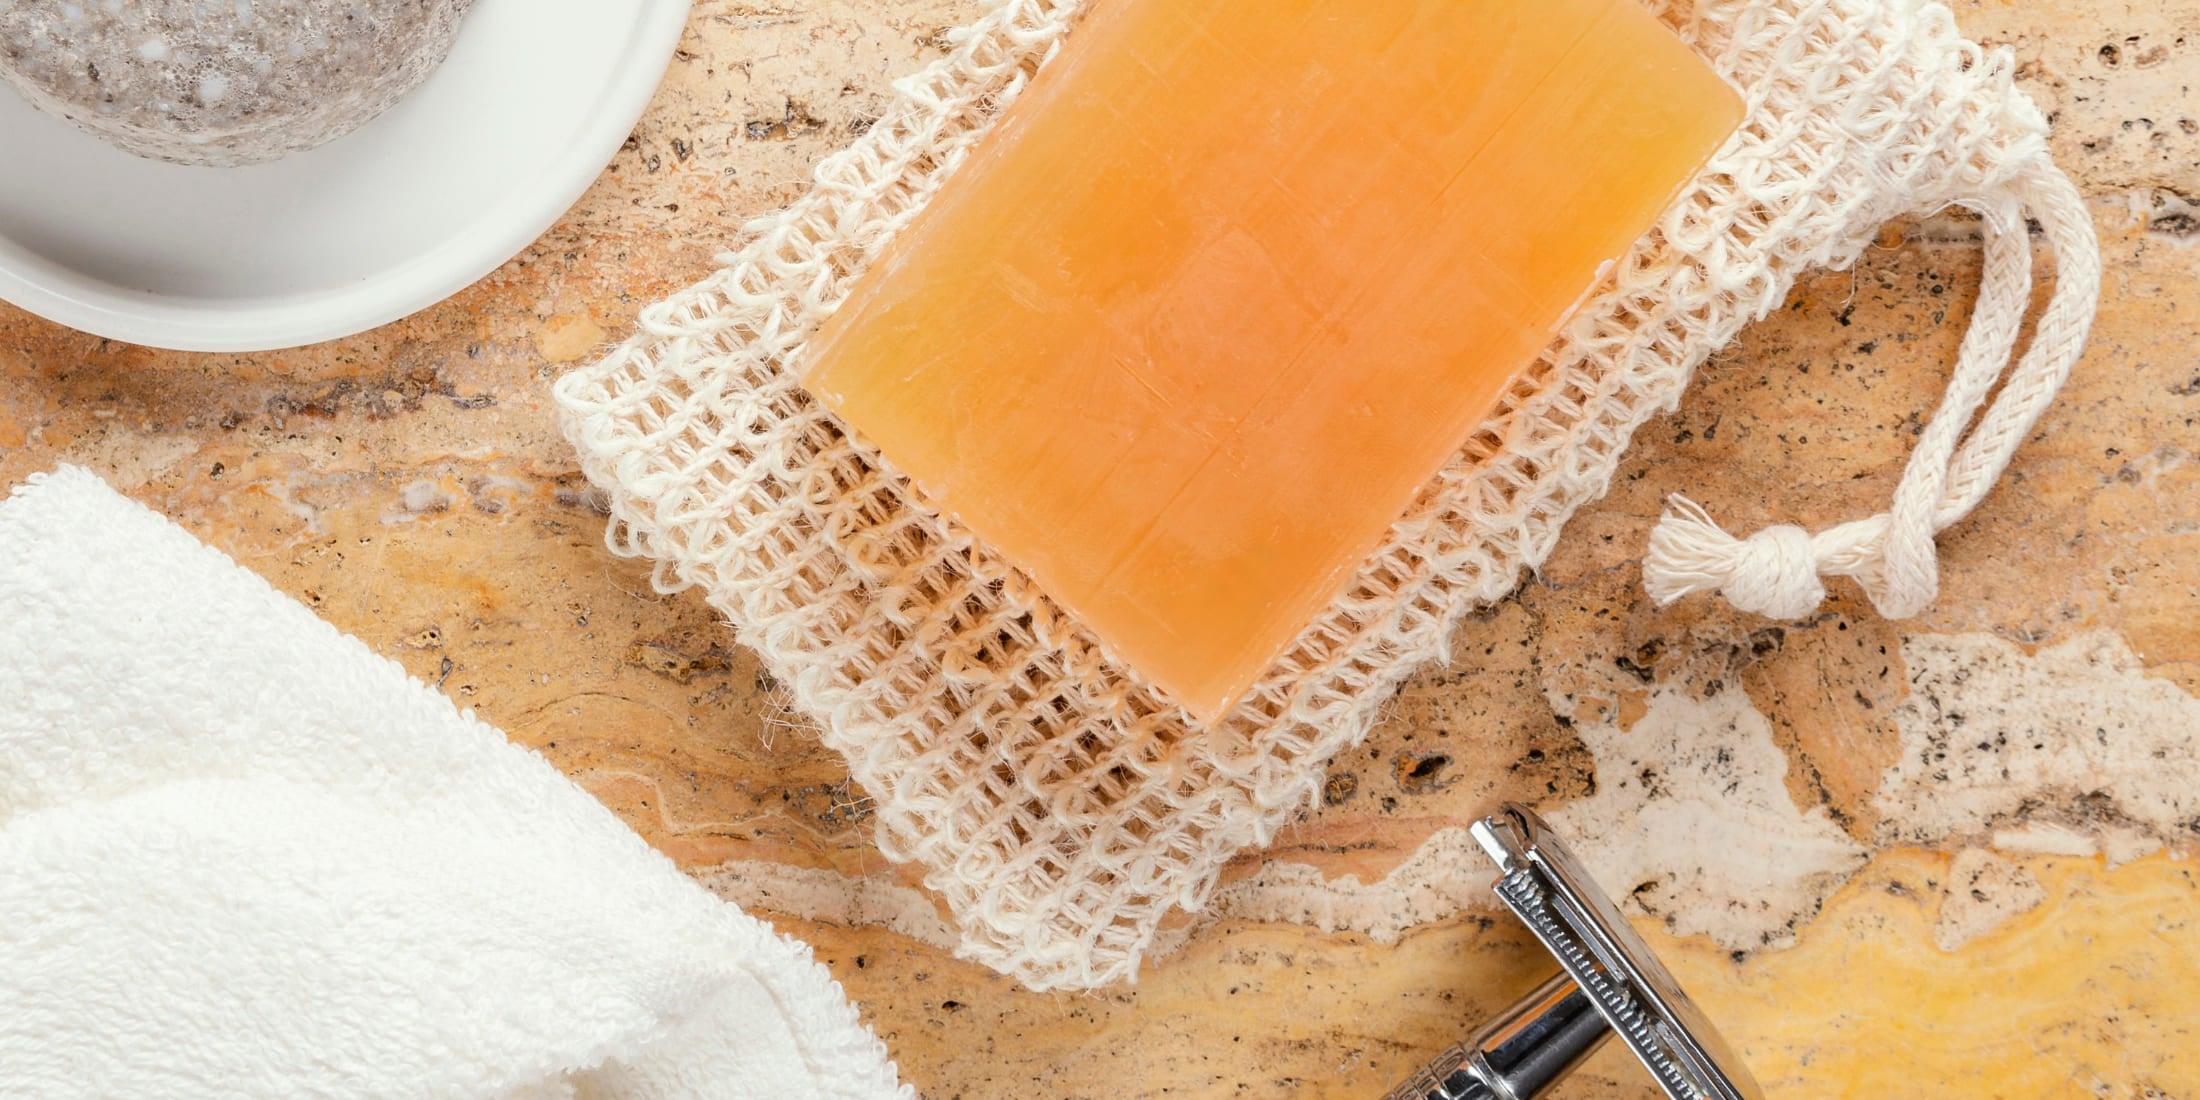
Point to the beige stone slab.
(410, 486)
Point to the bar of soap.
(1234, 278)
(222, 82)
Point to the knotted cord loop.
(1778, 571)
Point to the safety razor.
(1609, 984)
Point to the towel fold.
(243, 855)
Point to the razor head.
(1547, 888)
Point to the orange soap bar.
(1233, 278)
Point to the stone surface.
(409, 485)
(222, 82)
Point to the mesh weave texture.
(1059, 806)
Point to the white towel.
(243, 855)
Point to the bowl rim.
(58, 293)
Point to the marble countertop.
(1953, 851)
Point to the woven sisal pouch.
(1059, 806)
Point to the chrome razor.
(1609, 984)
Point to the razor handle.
(1519, 1055)
(1610, 983)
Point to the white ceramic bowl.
(442, 189)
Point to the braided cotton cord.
(1061, 807)
(1776, 571)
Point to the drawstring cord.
(1779, 571)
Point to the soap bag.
(1060, 807)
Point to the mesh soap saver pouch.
(1061, 807)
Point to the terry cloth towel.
(242, 855)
